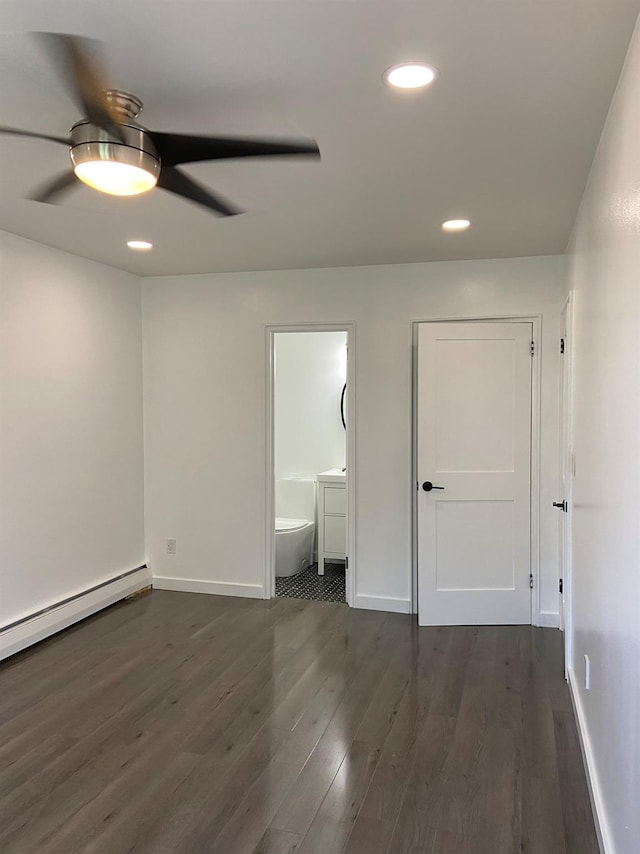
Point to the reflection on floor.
(307, 584)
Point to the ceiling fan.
(112, 153)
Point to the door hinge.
(533, 348)
(562, 345)
(560, 585)
(346, 563)
(531, 581)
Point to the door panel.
(474, 439)
(488, 532)
(474, 386)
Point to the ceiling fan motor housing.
(89, 142)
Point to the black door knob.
(428, 486)
(561, 504)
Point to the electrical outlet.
(587, 672)
(171, 546)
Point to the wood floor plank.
(334, 701)
(245, 749)
(375, 821)
(417, 821)
(190, 724)
(303, 799)
(208, 797)
(124, 809)
(381, 807)
(278, 842)
(542, 827)
(308, 791)
(574, 795)
(334, 820)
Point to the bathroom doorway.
(310, 497)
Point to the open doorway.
(309, 474)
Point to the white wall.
(71, 459)
(310, 372)
(204, 363)
(606, 512)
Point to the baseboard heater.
(34, 627)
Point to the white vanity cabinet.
(332, 517)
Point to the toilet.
(294, 545)
(295, 524)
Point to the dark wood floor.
(192, 723)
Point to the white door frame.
(566, 468)
(536, 323)
(269, 534)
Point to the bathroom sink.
(333, 476)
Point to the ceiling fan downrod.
(124, 103)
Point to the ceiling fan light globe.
(114, 178)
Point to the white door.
(563, 503)
(474, 450)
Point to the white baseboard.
(549, 619)
(42, 625)
(383, 603)
(605, 839)
(218, 588)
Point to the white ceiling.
(505, 137)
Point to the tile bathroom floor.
(307, 584)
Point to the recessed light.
(410, 75)
(456, 225)
(139, 244)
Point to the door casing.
(536, 323)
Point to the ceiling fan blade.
(78, 63)
(50, 192)
(177, 182)
(18, 132)
(175, 148)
